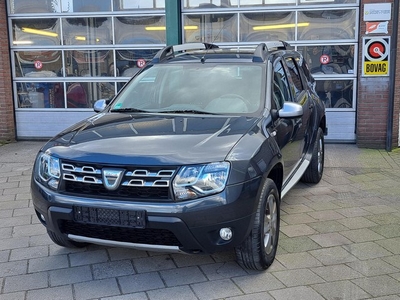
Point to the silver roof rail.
(171, 51)
(262, 50)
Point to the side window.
(280, 89)
(306, 70)
(295, 75)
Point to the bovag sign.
(376, 52)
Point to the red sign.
(141, 63)
(324, 59)
(38, 64)
(376, 49)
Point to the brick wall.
(7, 127)
(373, 98)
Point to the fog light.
(225, 234)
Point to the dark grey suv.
(193, 155)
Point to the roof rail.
(170, 51)
(262, 49)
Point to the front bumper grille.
(121, 234)
(128, 183)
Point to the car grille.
(135, 183)
(121, 234)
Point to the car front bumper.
(188, 226)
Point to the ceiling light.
(39, 32)
(281, 26)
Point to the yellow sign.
(376, 52)
(376, 68)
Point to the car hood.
(151, 139)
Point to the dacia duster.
(193, 155)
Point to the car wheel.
(258, 250)
(63, 241)
(313, 173)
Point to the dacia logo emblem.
(112, 178)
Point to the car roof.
(205, 52)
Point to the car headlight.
(196, 181)
(49, 170)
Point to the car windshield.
(194, 88)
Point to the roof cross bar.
(171, 51)
(260, 54)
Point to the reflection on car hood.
(151, 139)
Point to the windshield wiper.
(128, 109)
(186, 111)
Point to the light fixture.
(191, 27)
(281, 26)
(39, 32)
(155, 28)
(22, 42)
(83, 38)
(163, 28)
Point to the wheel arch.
(322, 124)
(276, 175)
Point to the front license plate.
(111, 217)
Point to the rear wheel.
(258, 250)
(315, 169)
(63, 241)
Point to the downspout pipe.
(392, 75)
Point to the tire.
(342, 103)
(258, 250)
(314, 171)
(63, 241)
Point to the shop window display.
(148, 31)
(192, 4)
(138, 4)
(36, 32)
(89, 5)
(336, 93)
(211, 28)
(36, 64)
(87, 31)
(264, 26)
(83, 52)
(328, 37)
(40, 95)
(53, 94)
(327, 25)
(64, 47)
(84, 94)
(329, 59)
(140, 30)
(87, 63)
(56, 6)
(33, 6)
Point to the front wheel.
(313, 173)
(258, 250)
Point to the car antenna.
(203, 58)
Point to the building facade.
(60, 56)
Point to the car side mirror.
(290, 110)
(100, 105)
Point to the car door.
(300, 95)
(284, 128)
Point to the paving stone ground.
(340, 239)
